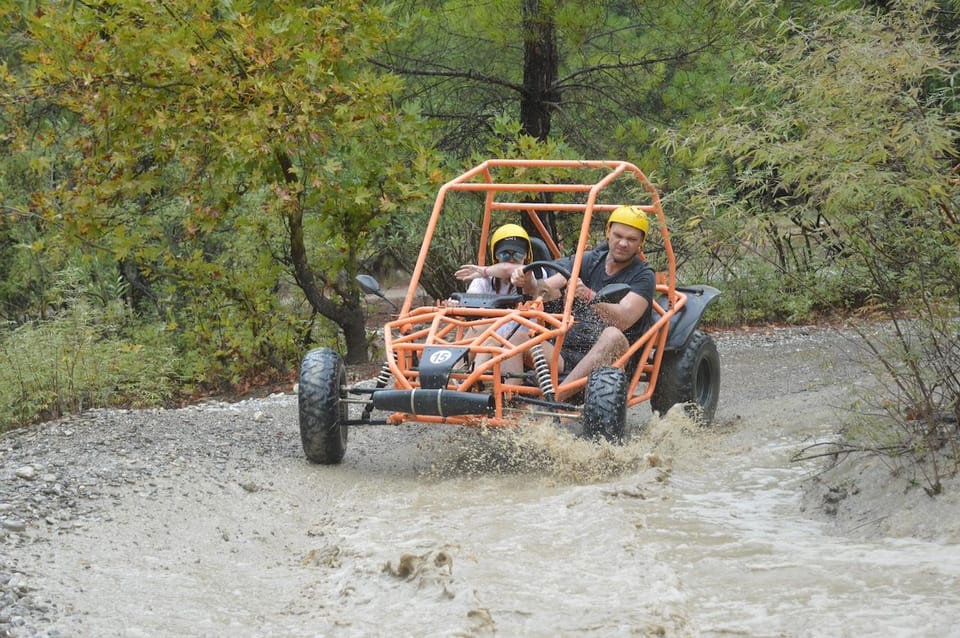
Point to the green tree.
(597, 77)
(836, 171)
(24, 278)
(851, 119)
(600, 75)
(221, 145)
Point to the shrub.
(87, 357)
(913, 413)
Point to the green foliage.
(839, 136)
(215, 143)
(755, 295)
(29, 258)
(86, 357)
(623, 69)
(834, 175)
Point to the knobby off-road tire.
(605, 404)
(322, 410)
(691, 377)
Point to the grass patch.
(87, 357)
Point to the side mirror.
(371, 286)
(611, 293)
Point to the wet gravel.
(63, 476)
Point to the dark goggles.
(508, 254)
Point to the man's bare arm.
(624, 314)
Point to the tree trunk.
(348, 314)
(540, 95)
(137, 291)
(540, 70)
(355, 335)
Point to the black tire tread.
(605, 404)
(321, 411)
(679, 380)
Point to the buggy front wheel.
(605, 404)
(323, 413)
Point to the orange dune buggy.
(431, 374)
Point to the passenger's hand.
(467, 272)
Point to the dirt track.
(207, 521)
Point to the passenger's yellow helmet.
(511, 234)
(631, 216)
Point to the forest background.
(188, 189)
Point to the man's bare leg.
(608, 348)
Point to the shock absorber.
(382, 379)
(542, 368)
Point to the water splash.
(556, 452)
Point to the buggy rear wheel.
(691, 377)
(605, 404)
(323, 413)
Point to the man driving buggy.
(603, 331)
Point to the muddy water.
(426, 531)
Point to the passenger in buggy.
(510, 250)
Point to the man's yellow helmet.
(631, 216)
(514, 235)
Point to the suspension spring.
(542, 369)
(382, 379)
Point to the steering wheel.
(548, 265)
